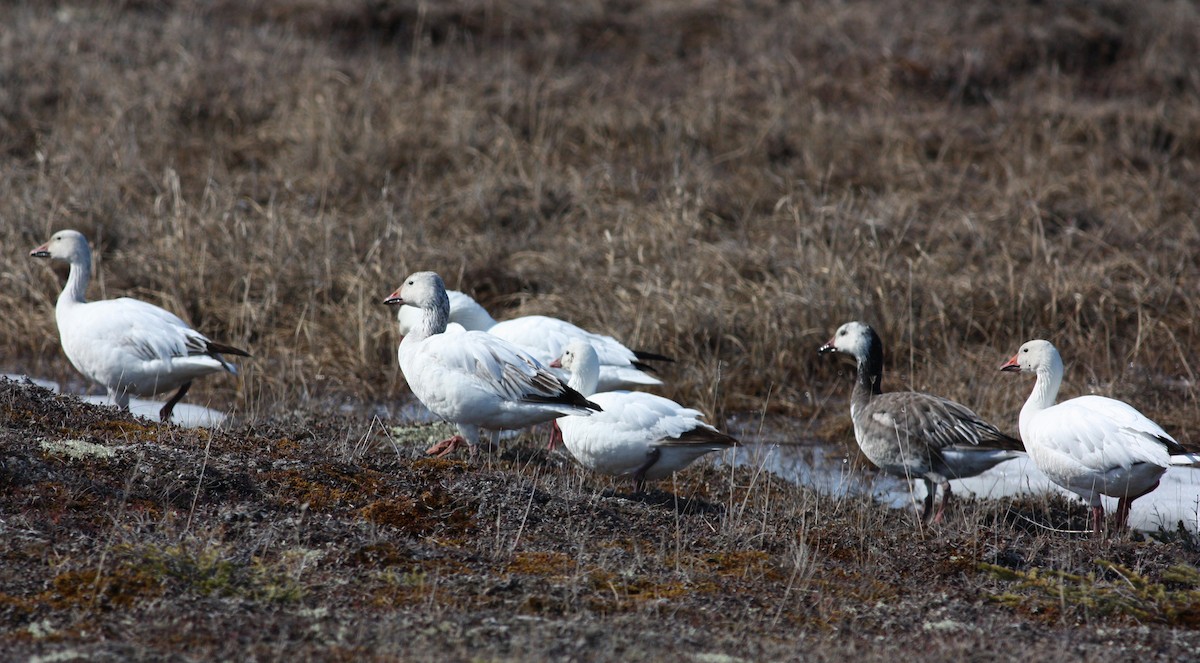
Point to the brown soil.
(327, 538)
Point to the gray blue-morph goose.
(911, 434)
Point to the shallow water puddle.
(188, 415)
(827, 469)
(818, 465)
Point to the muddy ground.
(327, 538)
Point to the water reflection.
(829, 470)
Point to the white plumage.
(640, 435)
(1091, 445)
(472, 378)
(128, 346)
(545, 338)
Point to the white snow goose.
(130, 347)
(637, 434)
(911, 434)
(1091, 445)
(472, 378)
(545, 338)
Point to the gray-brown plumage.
(915, 435)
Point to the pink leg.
(937, 517)
(556, 438)
(447, 446)
(1123, 505)
(932, 485)
(1097, 521)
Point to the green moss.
(209, 572)
(1113, 590)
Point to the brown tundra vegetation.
(724, 182)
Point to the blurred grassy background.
(724, 182)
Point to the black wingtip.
(568, 396)
(1174, 448)
(1014, 444)
(222, 349)
(643, 355)
(575, 398)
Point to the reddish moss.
(417, 587)
(612, 593)
(427, 468)
(744, 564)
(284, 445)
(127, 430)
(17, 607)
(539, 563)
(837, 582)
(435, 509)
(326, 486)
(401, 511)
(119, 588)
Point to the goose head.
(67, 245)
(579, 358)
(423, 290)
(1034, 356)
(852, 338)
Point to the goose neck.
(1045, 391)
(75, 290)
(433, 320)
(869, 382)
(585, 381)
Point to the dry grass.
(722, 182)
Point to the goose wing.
(1101, 434)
